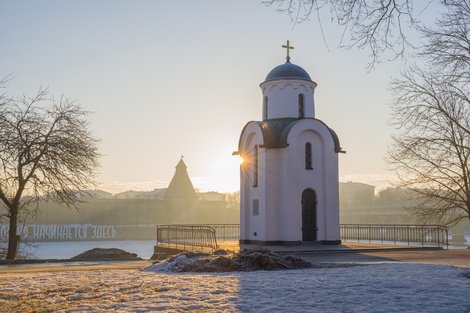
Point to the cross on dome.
(288, 47)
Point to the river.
(65, 250)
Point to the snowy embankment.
(397, 287)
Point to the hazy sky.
(172, 78)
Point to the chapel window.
(308, 156)
(301, 106)
(255, 166)
(265, 107)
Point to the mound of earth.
(109, 254)
(227, 261)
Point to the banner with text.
(61, 232)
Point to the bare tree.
(447, 45)
(431, 154)
(376, 25)
(432, 110)
(233, 200)
(46, 152)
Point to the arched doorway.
(309, 215)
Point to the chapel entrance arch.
(309, 215)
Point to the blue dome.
(288, 71)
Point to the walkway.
(348, 252)
(367, 253)
(318, 248)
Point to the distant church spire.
(180, 185)
(288, 47)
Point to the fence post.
(422, 234)
(447, 237)
(157, 235)
(176, 237)
(394, 235)
(358, 235)
(408, 234)
(382, 233)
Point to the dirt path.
(457, 258)
(72, 266)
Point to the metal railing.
(411, 234)
(203, 237)
(187, 237)
(224, 232)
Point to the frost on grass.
(227, 261)
(381, 288)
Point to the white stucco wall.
(323, 178)
(250, 224)
(274, 194)
(282, 178)
(283, 98)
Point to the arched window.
(301, 106)
(255, 166)
(308, 156)
(265, 107)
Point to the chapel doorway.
(309, 215)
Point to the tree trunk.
(12, 235)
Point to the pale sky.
(172, 78)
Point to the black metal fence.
(225, 232)
(411, 234)
(187, 237)
(205, 237)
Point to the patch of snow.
(169, 265)
(393, 287)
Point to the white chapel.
(289, 188)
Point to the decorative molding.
(295, 84)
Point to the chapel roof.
(276, 131)
(288, 70)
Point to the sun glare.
(239, 159)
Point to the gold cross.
(288, 48)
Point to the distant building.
(130, 194)
(394, 196)
(180, 198)
(100, 194)
(211, 196)
(128, 215)
(154, 194)
(360, 205)
(353, 194)
(180, 186)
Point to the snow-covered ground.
(391, 287)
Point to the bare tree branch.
(431, 154)
(447, 47)
(376, 25)
(46, 152)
